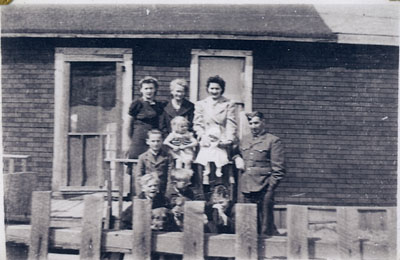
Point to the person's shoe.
(218, 173)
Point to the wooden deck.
(308, 232)
(69, 212)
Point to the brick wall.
(334, 106)
(28, 104)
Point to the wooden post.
(109, 201)
(82, 172)
(119, 174)
(23, 164)
(392, 232)
(297, 229)
(11, 167)
(141, 223)
(40, 223)
(100, 161)
(347, 226)
(246, 246)
(91, 227)
(193, 231)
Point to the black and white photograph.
(199, 130)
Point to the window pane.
(92, 96)
(230, 69)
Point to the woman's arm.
(198, 119)
(231, 124)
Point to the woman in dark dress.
(178, 105)
(145, 113)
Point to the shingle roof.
(293, 21)
(366, 24)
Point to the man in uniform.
(260, 157)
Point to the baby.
(210, 152)
(181, 142)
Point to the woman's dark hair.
(216, 79)
(148, 80)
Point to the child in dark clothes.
(178, 193)
(155, 159)
(150, 191)
(220, 212)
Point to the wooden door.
(92, 96)
(235, 67)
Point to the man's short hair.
(254, 114)
(152, 176)
(181, 175)
(153, 132)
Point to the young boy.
(179, 192)
(155, 159)
(150, 190)
(220, 211)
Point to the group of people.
(169, 139)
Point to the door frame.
(248, 71)
(63, 58)
(243, 128)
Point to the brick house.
(328, 87)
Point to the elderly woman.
(178, 105)
(215, 111)
(145, 112)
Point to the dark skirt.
(138, 140)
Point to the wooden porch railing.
(11, 158)
(192, 243)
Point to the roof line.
(168, 36)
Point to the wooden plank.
(100, 161)
(392, 232)
(141, 222)
(40, 222)
(347, 227)
(297, 232)
(119, 170)
(91, 227)
(193, 233)
(11, 167)
(218, 245)
(23, 165)
(109, 201)
(82, 170)
(61, 122)
(246, 246)
(16, 156)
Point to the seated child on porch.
(155, 159)
(179, 192)
(150, 191)
(210, 152)
(220, 211)
(181, 142)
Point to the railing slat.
(297, 232)
(193, 233)
(40, 223)
(24, 165)
(347, 226)
(11, 167)
(246, 245)
(92, 227)
(82, 168)
(141, 222)
(392, 232)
